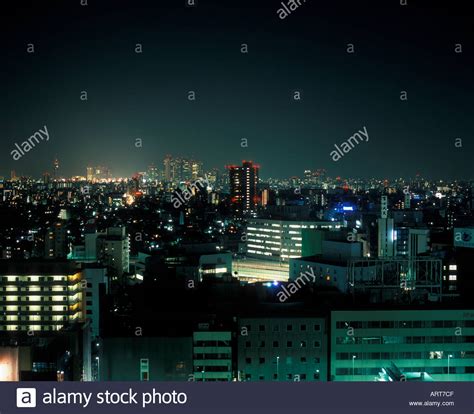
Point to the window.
(317, 360)
(261, 360)
(303, 328)
(276, 328)
(317, 327)
(261, 328)
(316, 375)
(262, 344)
(289, 344)
(248, 360)
(303, 360)
(303, 344)
(317, 344)
(275, 344)
(248, 344)
(144, 370)
(289, 328)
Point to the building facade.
(280, 240)
(438, 342)
(212, 354)
(243, 187)
(282, 349)
(40, 296)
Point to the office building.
(438, 342)
(212, 352)
(243, 187)
(386, 246)
(282, 349)
(280, 240)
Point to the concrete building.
(97, 284)
(198, 266)
(56, 242)
(113, 248)
(411, 242)
(438, 342)
(328, 272)
(40, 296)
(280, 240)
(282, 349)
(212, 352)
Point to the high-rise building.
(90, 174)
(56, 241)
(114, 250)
(152, 174)
(178, 170)
(56, 168)
(40, 296)
(386, 246)
(243, 187)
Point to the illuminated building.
(438, 342)
(280, 239)
(212, 356)
(282, 349)
(114, 250)
(243, 187)
(56, 241)
(178, 170)
(90, 174)
(39, 296)
(386, 233)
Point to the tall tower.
(386, 234)
(243, 187)
(55, 168)
(167, 168)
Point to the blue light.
(348, 208)
(275, 283)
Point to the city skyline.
(282, 92)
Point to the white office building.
(280, 240)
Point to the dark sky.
(91, 48)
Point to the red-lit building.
(243, 187)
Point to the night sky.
(92, 48)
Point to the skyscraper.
(386, 246)
(243, 187)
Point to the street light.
(98, 368)
(449, 358)
(353, 369)
(278, 365)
